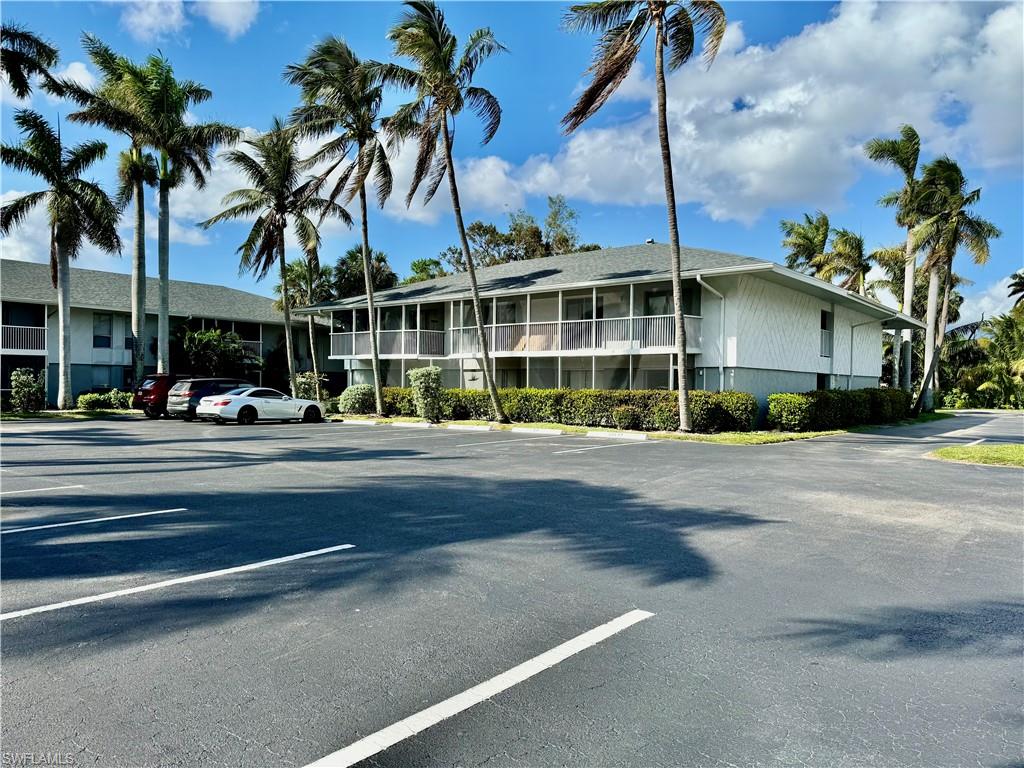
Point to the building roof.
(111, 291)
(630, 263)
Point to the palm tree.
(23, 56)
(624, 24)
(114, 105)
(184, 154)
(903, 153)
(342, 100)
(805, 241)
(308, 283)
(1017, 287)
(846, 260)
(948, 223)
(1003, 345)
(78, 210)
(278, 196)
(443, 85)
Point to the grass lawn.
(998, 454)
(79, 415)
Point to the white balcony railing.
(24, 338)
(610, 335)
(253, 347)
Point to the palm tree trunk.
(163, 257)
(941, 334)
(312, 330)
(139, 285)
(927, 394)
(286, 301)
(378, 386)
(673, 230)
(499, 412)
(908, 309)
(64, 399)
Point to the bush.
(627, 417)
(426, 392)
(791, 412)
(106, 401)
(836, 408)
(28, 390)
(331, 405)
(357, 399)
(665, 417)
(398, 401)
(306, 385)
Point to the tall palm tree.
(308, 283)
(624, 25)
(846, 260)
(948, 224)
(78, 210)
(342, 100)
(805, 241)
(23, 56)
(1017, 287)
(184, 154)
(114, 105)
(443, 84)
(279, 196)
(903, 153)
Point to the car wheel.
(247, 415)
(151, 412)
(311, 415)
(186, 417)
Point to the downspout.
(849, 376)
(721, 332)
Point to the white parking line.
(410, 726)
(511, 440)
(40, 490)
(977, 442)
(171, 582)
(599, 447)
(92, 520)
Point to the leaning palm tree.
(846, 260)
(903, 153)
(78, 210)
(114, 105)
(947, 225)
(23, 56)
(805, 241)
(443, 84)
(308, 283)
(184, 154)
(1017, 287)
(624, 25)
(279, 196)
(342, 100)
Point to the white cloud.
(77, 72)
(232, 17)
(149, 20)
(993, 300)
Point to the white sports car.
(249, 404)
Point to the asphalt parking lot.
(196, 595)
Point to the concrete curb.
(413, 424)
(535, 431)
(361, 422)
(617, 435)
(471, 427)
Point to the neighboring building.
(101, 333)
(603, 319)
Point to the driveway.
(187, 594)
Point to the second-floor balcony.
(23, 340)
(609, 336)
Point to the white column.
(419, 327)
(559, 329)
(559, 369)
(593, 371)
(527, 340)
(632, 334)
(593, 318)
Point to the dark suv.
(184, 396)
(151, 396)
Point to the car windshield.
(181, 386)
(149, 383)
(240, 391)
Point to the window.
(267, 394)
(826, 333)
(102, 330)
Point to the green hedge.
(106, 401)
(836, 408)
(648, 409)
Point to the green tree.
(443, 86)
(215, 353)
(806, 242)
(78, 211)
(342, 99)
(350, 277)
(903, 153)
(278, 197)
(624, 25)
(308, 283)
(846, 260)
(560, 226)
(1017, 287)
(24, 56)
(424, 269)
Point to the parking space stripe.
(511, 440)
(410, 726)
(40, 490)
(171, 582)
(599, 447)
(91, 520)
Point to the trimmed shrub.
(736, 411)
(665, 417)
(331, 405)
(627, 417)
(357, 399)
(791, 412)
(105, 401)
(28, 390)
(305, 385)
(466, 404)
(836, 408)
(398, 401)
(426, 392)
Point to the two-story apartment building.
(603, 319)
(101, 333)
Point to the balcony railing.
(253, 347)
(24, 338)
(610, 335)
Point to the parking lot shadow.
(405, 530)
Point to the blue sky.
(772, 129)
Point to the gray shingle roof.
(609, 265)
(30, 282)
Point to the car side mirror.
(286, 398)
